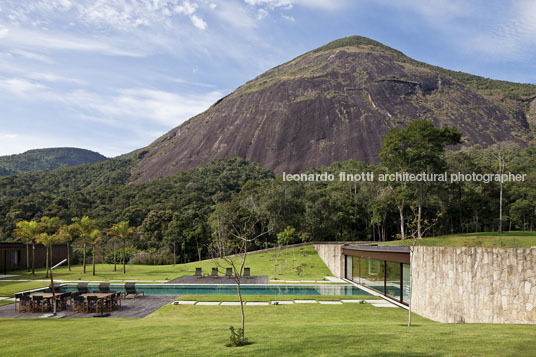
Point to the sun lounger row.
(215, 272)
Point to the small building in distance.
(13, 256)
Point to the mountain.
(336, 103)
(46, 159)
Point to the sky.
(114, 75)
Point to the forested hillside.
(180, 209)
(46, 159)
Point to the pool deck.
(137, 308)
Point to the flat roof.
(390, 253)
(379, 248)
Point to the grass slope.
(260, 264)
(284, 330)
(484, 239)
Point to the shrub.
(236, 338)
(161, 257)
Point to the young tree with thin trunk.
(122, 231)
(234, 228)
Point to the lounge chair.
(247, 272)
(198, 272)
(57, 288)
(130, 289)
(214, 272)
(82, 288)
(104, 288)
(229, 272)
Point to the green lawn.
(269, 298)
(484, 239)
(313, 268)
(284, 330)
(9, 288)
(3, 302)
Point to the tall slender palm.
(112, 239)
(29, 230)
(68, 234)
(48, 241)
(94, 238)
(85, 226)
(123, 232)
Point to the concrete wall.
(482, 285)
(331, 254)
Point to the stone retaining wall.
(474, 285)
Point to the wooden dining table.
(101, 297)
(48, 296)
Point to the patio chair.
(79, 303)
(25, 303)
(92, 303)
(61, 301)
(116, 300)
(229, 272)
(104, 287)
(198, 272)
(82, 288)
(247, 272)
(39, 303)
(130, 289)
(17, 300)
(214, 272)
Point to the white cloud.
(3, 32)
(198, 22)
(32, 56)
(51, 77)
(186, 8)
(288, 18)
(37, 39)
(289, 4)
(236, 15)
(19, 86)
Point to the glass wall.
(392, 279)
(406, 274)
(389, 278)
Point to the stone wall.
(474, 285)
(331, 254)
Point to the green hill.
(46, 159)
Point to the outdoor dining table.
(101, 297)
(48, 296)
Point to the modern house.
(384, 269)
(13, 255)
(448, 284)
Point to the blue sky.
(113, 75)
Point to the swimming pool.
(181, 289)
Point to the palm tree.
(94, 238)
(123, 232)
(112, 239)
(68, 234)
(48, 241)
(29, 231)
(85, 227)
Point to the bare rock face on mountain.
(336, 103)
